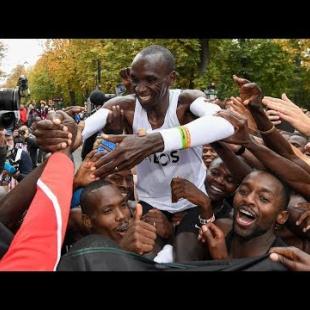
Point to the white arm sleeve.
(95, 122)
(203, 130)
(201, 107)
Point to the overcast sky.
(19, 52)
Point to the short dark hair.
(84, 200)
(164, 52)
(97, 97)
(286, 190)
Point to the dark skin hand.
(2, 139)
(299, 219)
(292, 258)
(241, 135)
(140, 236)
(84, 174)
(115, 121)
(285, 169)
(53, 134)
(59, 130)
(252, 97)
(177, 218)
(128, 152)
(156, 218)
(304, 218)
(16, 202)
(182, 188)
(235, 104)
(250, 93)
(214, 237)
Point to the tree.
(2, 54)
(11, 81)
(69, 67)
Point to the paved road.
(77, 157)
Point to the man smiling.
(177, 122)
(260, 204)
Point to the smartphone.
(106, 145)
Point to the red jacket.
(23, 115)
(37, 244)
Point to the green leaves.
(70, 65)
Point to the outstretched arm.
(17, 201)
(238, 168)
(37, 244)
(286, 170)
(252, 96)
(290, 112)
(133, 149)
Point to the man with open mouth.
(105, 212)
(260, 203)
(177, 123)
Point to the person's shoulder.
(24, 153)
(125, 102)
(279, 242)
(92, 241)
(187, 96)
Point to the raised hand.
(274, 117)
(235, 104)
(304, 218)
(250, 93)
(182, 188)
(57, 132)
(85, 173)
(214, 237)
(241, 135)
(156, 218)
(140, 236)
(290, 112)
(115, 120)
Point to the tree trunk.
(72, 97)
(204, 55)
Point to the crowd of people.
(169, 180)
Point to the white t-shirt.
(156, 171)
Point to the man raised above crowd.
(177, 123)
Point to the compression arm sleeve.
(95, 123)
(204, 130)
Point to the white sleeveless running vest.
(156, 171)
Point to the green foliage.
(12, 80)
(68, 67)
(2, 54)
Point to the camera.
(10, 101)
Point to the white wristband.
(95, 123)
(206, 221)
(203, 130)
